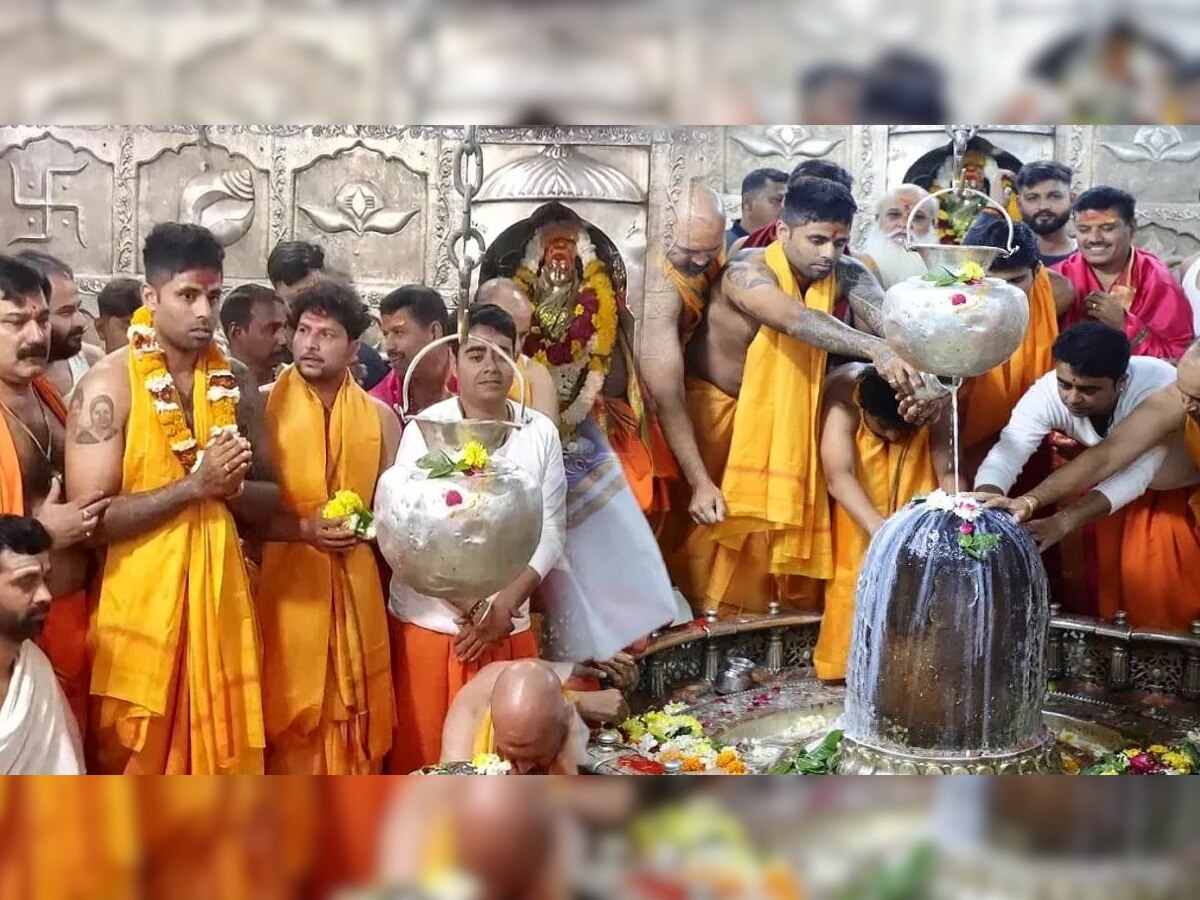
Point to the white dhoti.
(611, 586)
(38, 734)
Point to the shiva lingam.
(947, 661)
(460, 532)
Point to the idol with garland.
(611, 587)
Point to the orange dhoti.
(327, 690)
(175, 684)
(1146, 553)
(64, 637)
(891, 474)
(427, 677)
(761, 449)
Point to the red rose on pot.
(958, 299)
(966, 528)
(454, 498)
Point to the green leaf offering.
(978, 546)
(817, 761)
(437, 463)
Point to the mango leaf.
(437, 463)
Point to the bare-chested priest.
(755, 371)
(692, 265)
(32, 436)
(172, 430)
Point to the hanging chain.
(960, 137)
(468, 179)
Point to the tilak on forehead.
(1097, 217)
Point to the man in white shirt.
(434, 651)
(38, 735)
(1093, 387)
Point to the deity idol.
(594, 608)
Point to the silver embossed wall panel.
(381, 198)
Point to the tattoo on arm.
(134, 514)
(97, 426)
(749, 275)
(865, 296)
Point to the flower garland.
(579, 360)
(222, 392)
(1157, 759)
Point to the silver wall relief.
(365, 207)
(204, 183)
(560, 172)
(791, 143)
(56, 197)
(360, 207)
(223, 202)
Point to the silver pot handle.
(412, 367)
(908, 235)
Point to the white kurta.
(38, 734)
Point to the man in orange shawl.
(692, 266)
(755, 373)
(175, 682)
(327, 688)
(874, 463)
(987, 400)
(32, 447)
(1160, 545)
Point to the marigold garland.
(222, 392)
(580, 359)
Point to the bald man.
(1170, 413)
(521, 712)
(539, 386)
(692, 265)
(486, 838)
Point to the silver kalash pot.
(958, 330)
(462, 537)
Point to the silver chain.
(468, 179)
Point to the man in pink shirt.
(412, 317)
(1123, 287)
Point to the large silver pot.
(463, 537)
(949, 338)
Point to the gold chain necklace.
(46, 451)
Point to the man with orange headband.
(1120, 285)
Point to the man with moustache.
(762, 198)
(70, 357)
(1152, 442)
(327, 688)
(1118, 284)
(756, 369)
(883, 250)
(254, 320)
(184, 458)
(38, 735)
(32, 438)
(412, 317)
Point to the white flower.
(184, 445)
(164, 406)
(221, 393)
(674, 709)
(490, 764)
(158, 384)
(221, 429)
(219, 373)
(968, 510)
(646, 743)
(939, 499)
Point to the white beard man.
(883, 251)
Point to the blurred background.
(621, 61)
(643, 839)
